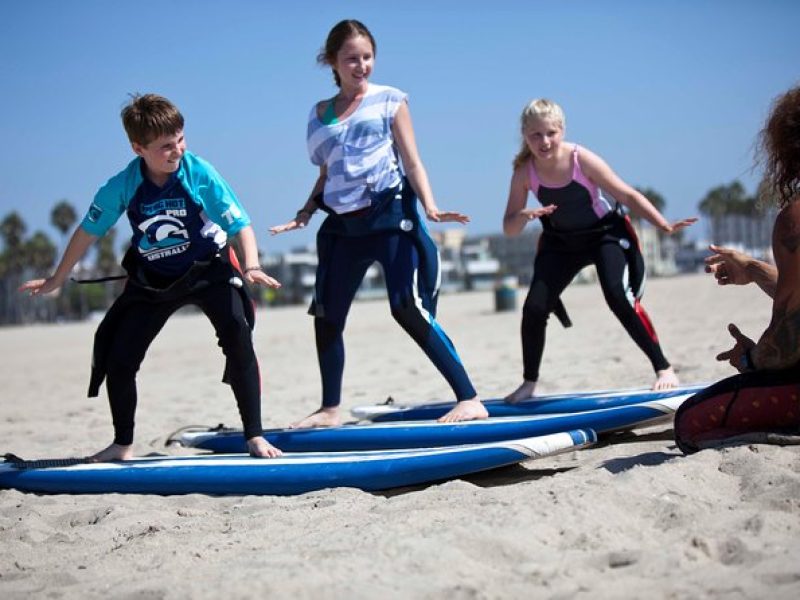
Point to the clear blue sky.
(670, 93)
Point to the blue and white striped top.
(358, 150)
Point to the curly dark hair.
(780, 144)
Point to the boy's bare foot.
(666, 380)
(261, 448)
(523, 392)
(324, 417)
(466, 410)
(112, 453)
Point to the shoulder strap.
(329, 116)
(533, 178)
(576, 167)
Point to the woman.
(761, 402)
(355, 138)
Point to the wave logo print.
(162, 236)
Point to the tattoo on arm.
(778, 348)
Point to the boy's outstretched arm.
(252, 269)
(78, 245)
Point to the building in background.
(467, 263)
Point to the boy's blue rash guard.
(199, 178)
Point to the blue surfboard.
(426, 434)
(542, 405)
(221, 474)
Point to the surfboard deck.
(219, 474)
(547, 404)
(426, 434)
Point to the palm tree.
(12, 231)
(725, 200)
(731, 199)
(656, 199)
(63, 217)
(106, 256)
(40, 253)
(107, 263)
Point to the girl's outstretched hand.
(540, 211)
(300, 221)
(446, 216)
(678, 225)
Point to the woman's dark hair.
(780, 144)
(341, 32)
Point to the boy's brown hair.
(149, 116)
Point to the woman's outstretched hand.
(677, 226)
(299, 222)
(535, 213)
(445, 216)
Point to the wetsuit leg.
(135, 331)
(753, 402)
(552, 273)
(224, 307)
(349, 260)
(400, 261)
(622, 299)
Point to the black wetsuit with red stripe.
(584, 230)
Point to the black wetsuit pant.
(138, 326)
(619, 265)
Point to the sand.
(629, 518)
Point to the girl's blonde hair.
(540, 108)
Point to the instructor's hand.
(728, 266)
(736, 354)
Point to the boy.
(181, 212)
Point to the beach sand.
(629, 518)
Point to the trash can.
(505, 294)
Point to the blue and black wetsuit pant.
(348, 261)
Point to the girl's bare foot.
(466, 410)
(112, 453)
(261, 448)
(324, 417)
(666, 380)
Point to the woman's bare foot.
(466, 410)
(261, 448)
(324, 417)
(523, 392)
(112, 453)
(666, 380)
